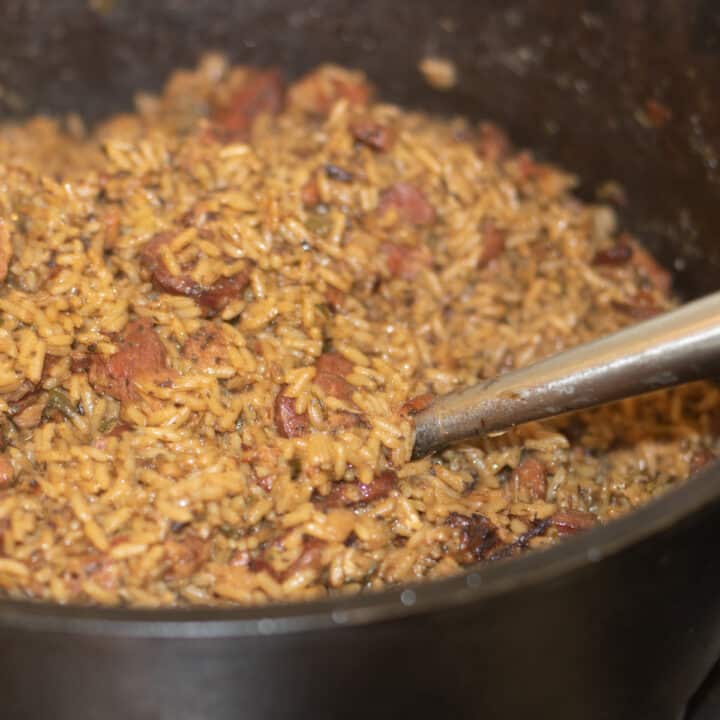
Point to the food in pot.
(220, 313)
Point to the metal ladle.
(674, 348)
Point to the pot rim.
(478, 584)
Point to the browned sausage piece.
(333, 363)
(25, 389)
(529, 479)
(346, 494)
(381, 486)
(216, 297)
(618, 254)
(309, 558)
(79, 362)
(410, 203)
(26, 405)
(258, 565)
(330, 372)
(213, 298)
(118, 430)
(339, 496)
(140, 356)
(479, 536)
(406, 261)
(416, 404)
(334, 298)
(289, 424)
(30, 417)
(372, 134)
(568, 522)
(261, 93)
(162, 278)
(110, 223)
(335, 385)
(700, 458)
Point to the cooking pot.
(620, 622)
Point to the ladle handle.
(676, 347)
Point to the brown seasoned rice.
(219, 313)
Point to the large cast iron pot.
(622, 622)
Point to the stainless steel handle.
(674, 348)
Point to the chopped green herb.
(323, 309)
(295, 467)
(230, 532)
(59, 400)
(319, 224)
(107, 424)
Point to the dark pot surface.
(620, 623)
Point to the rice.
(219, 314)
